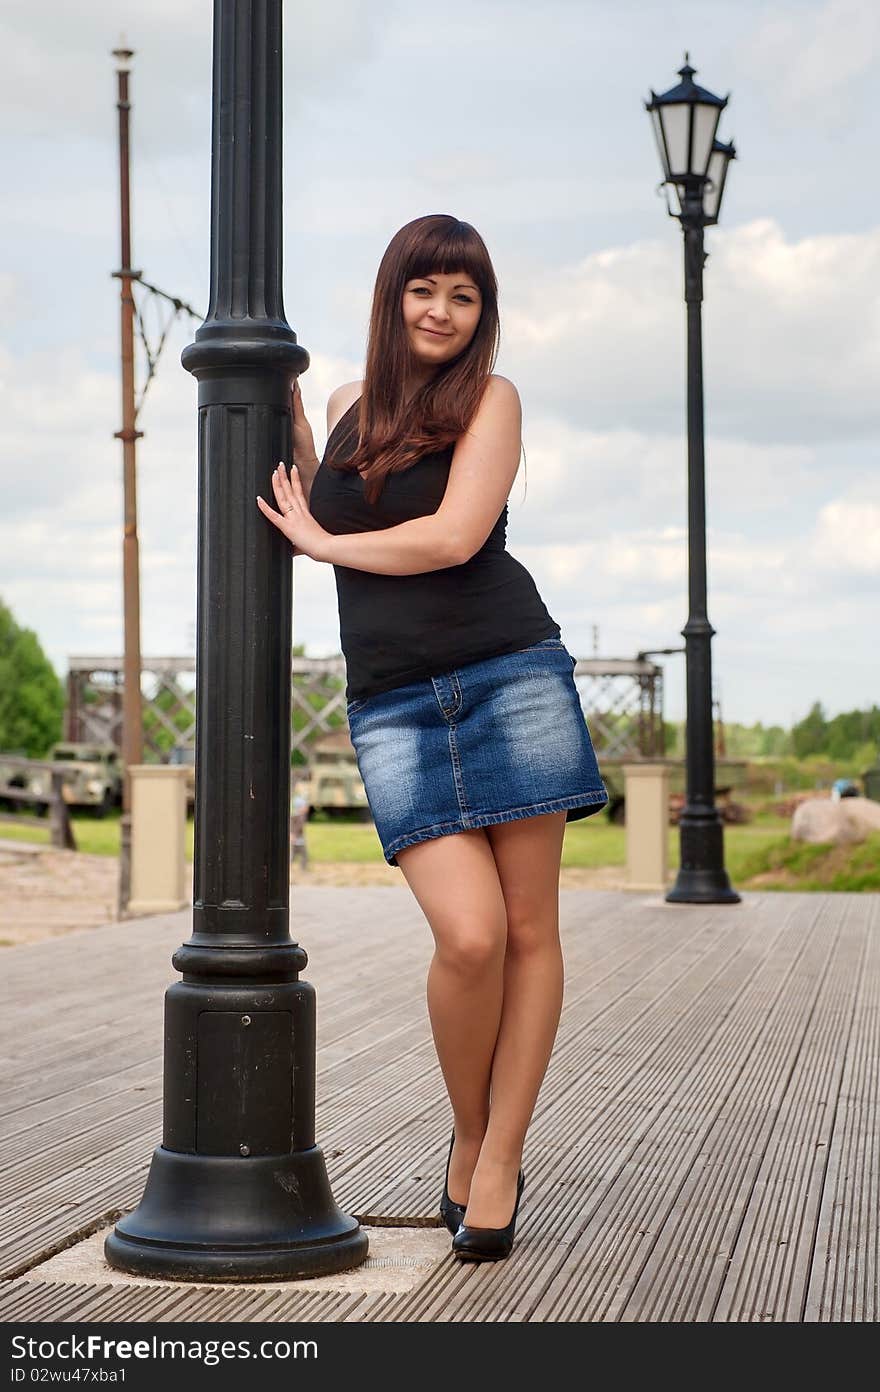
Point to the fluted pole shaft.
(244, 355)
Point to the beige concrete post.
(646, 793)
(158, 838)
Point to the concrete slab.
(399, 1258)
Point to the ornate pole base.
(221, 1218)
(238, 1189)
(702, 878)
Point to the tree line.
(851, 735)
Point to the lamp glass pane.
(705, 124)
(676, 125)
(712, 194)
(657, 127)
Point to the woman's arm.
(410, 548)
(307, 471)
(302, 441)
(304, 454)
(484, 464)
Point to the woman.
(462, 705)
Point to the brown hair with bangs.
(393, 432)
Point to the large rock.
(838, 823)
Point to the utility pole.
(132, 719)
(720, 742)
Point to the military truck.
(14, 770)
(730, 774)
(334, 785)
(94, 779)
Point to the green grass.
(10, 832)
(591, 842)
(354, 843)
(93, 835)
(786, 864)
(758, 855)
(594, 842)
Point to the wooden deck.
(705, 1147)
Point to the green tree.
(775, 741)
(754, 741)
(851, 730)
(31, 696)
(810, 735)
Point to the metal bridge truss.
(622, 700)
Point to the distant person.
(299, 811)
(462, 705)
(843, 788)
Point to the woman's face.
(440, 314)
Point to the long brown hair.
(393, 432)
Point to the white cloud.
(58, 67)
(847, 536)
(576, 483)
(812, 55)
(792, 335)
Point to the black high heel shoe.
(488, 1244)
(451, 1213)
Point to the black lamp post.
(238, 1189)
(695, 168)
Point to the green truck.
(730, 775)
(334, 785)
(92, 777)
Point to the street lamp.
(238, 1190)
(695, 167)
(717, 177)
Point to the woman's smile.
(454, 299)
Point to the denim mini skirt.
(491, 741)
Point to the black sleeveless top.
(396, 629)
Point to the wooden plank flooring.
(705, 1146)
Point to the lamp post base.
(702, 878)
(702, 887)
(225, 1218)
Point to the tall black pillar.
(238, 1188)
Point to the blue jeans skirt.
(491, 741)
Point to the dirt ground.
(45, 893)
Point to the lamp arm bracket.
(663, 188)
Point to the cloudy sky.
(528, 122)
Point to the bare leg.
(528, 854)
(455, 880)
